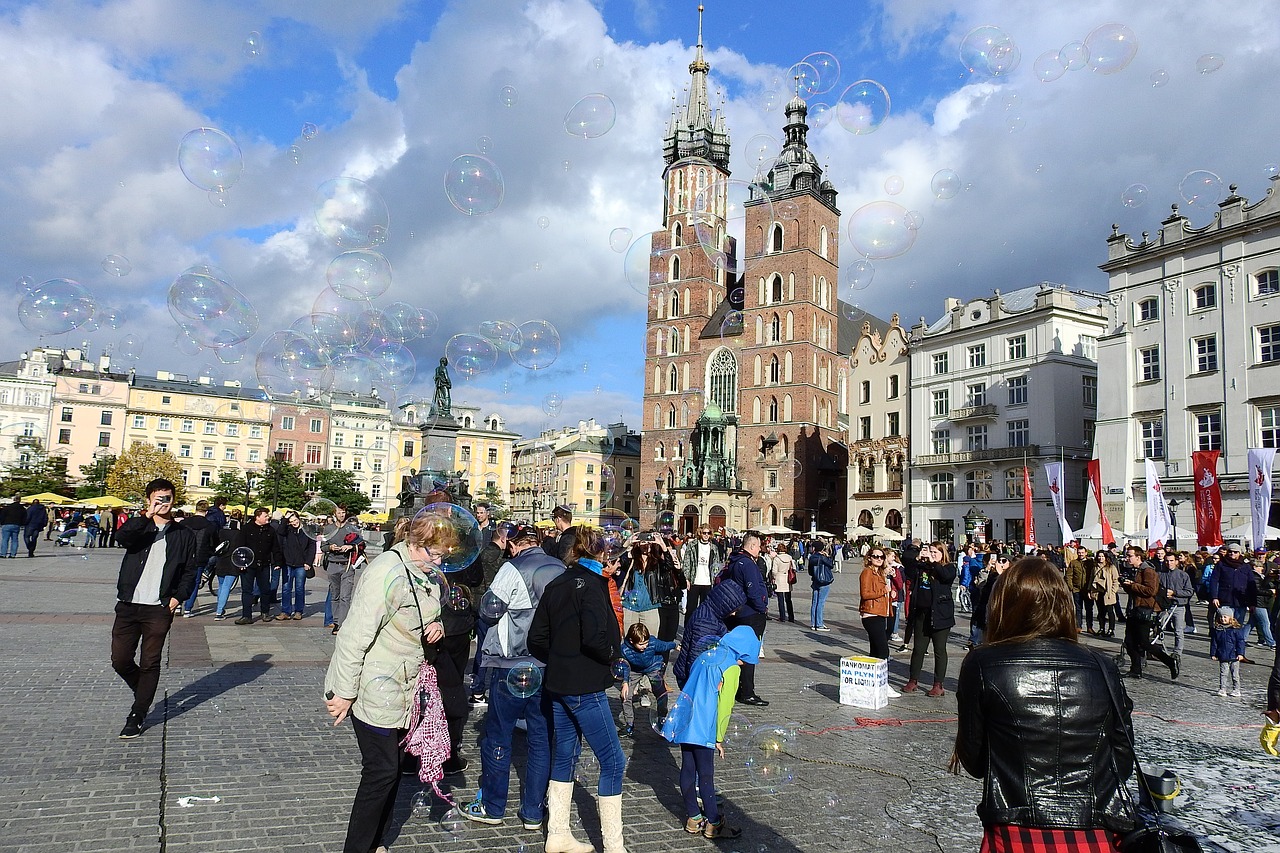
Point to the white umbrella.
(1183, 535)
(886, 533)
(1245, 532)
(860, 531)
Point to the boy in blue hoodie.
(644, 655)
(698, 722)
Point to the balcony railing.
(978, 455)
(969, 412)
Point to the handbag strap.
(1137, 764)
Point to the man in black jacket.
(744, 568)
(12, 519)
(156, 574)
(259, 537)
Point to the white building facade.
(998, 383)
(1192, 357)
(878, 427)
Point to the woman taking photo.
(650, 588)
(1039, 725)
(931, 614)
(374, 669)
(575, 634)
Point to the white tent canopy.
(1244, 532)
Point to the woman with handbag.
(821, 576)
(394, 620)
(640, 580)
(1039, 725)
(1106, 585)
(783, 570)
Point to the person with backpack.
(1146, 594)
(745, 570)
(821, 576)
(206, 536)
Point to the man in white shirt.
(700, 561)
(157, 573)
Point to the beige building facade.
(879, 436)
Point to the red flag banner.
(1094, 469)
(1028, 518)
(1204, 466)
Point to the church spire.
(697, 112)
(698, 133)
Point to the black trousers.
(1273, 685)
(697, 594)
(379, 784)
(30, 538)
(1137, 640)
(877, 628)
(668, 622)
(747, 679)
(146, 625)
(262, 574)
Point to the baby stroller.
(1161, 626)
(66, 537)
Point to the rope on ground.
(873, 722)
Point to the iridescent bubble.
(314, 513)
(1073, 56)
(129, 348)
(1048, 66)
(1209, 63)
(566, 165)
(1159, 77)
(1134, 195)
(591, 117)
(880, 230)
(397, 362)
(767, 758)
(1011, 100)
(385, 693)
(732, 324)
(988, 51)
(309, 131)
(787, 209)
(253, 45)
(210, 159)
(863, 107)
(524, 680)
(203, 300)
(620, 239)
(362, 374)
(242, 558)
(1201, 189)
(761, 150)
(471, 355)
(504, 335)
(359, 274)
(639, 265)
(355, 329)
(860, 274)
(453, 824)
(474, 185)
(552, 404)
(459, 527)
(807, 79)
(819, 115)
(1111, 48)
(351, 214)
(56, 306)
(406, 323)
(218, 198)
(420, 805)
(774, 97)
(117, 265)
(828, 69)
(24, 284)
(539, 345)
(621, 670)
(295, 154)
(893, 184)
(508, 96)
(720, 218)
(945, 184)
(293, 363)
(185, 343)
(1271, 169)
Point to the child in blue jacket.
(644, 655)
(698, 722)
(1226, 646)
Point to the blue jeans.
(586, 716)
(328, 607)
(9, 539)
(294, 592)
(820, 594)
(495, 749)
(208, 567)
(224, 592)
(895, 617)
(1262, 619)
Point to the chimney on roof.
(104, 363)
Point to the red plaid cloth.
(1031, 839)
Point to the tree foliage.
(280, 482)
(340, 487)
(141, 464)
(498, 508)
(231, 485)
(93, 477)
(35, 471)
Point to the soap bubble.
(313, 511)
(1048, 66)
(406, 322)
(620, 239)
(552, 403)
(591, 117)
(397, 363)
(351, 214)
(420, 805)
(638, 264)
(1016, 123)
(819, 115)
(242, 558)
(1134, 195)
(453, 824)
(185, 343)
(117, 265)
(253, 45)
(893, 184)
(880, 230)
(863, 107)
(738, 730)
(988, 51)
(216, 314)
(470, 355)
(504, 335)
(621, 669)
(1159, 77)
(129, 348)
(290, 362)
(218, 198)
(831, 801)
(945, 185)
(1209, 63)
(1271, 169)
(359, 274)
(508, 96)
(1201, 189)
(1073, 56)
(544, 222)
(587, 770)
(56, 306)
(790, 469)
(766, 759)
(679, 713)
(524, 680)
(492, 608)
(474, 185)
(539, 345)
(24, 284)
(309, 131)
(210, 159)
(860, 273)
(828, 71)
(456, 528)
(1111, 48)
(761, 150)
(295, 154)
(804, 79)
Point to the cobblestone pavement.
(239, 717)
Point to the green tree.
(141, 464)
(231, 485)
(498, 508)
(280, 482)
(340, 487)
(35, 471)
(93, 477)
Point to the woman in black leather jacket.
(1038, 723)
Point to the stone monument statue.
(441, 404)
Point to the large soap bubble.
(988, 51)
(503, 334)
(524, 680)
(720, 220)
(351, 214)
(397, 363)
(828, 69)
(591, 117)
(881, 229)
(406, 322)
(945, 184)
(56, 306)
(316, 514)
(471, 355)
(474, 184)
(863, 107)
(767, 760)
(1202, 190)
(290, 362)
(359, 274)
(1111, 48)
(638, 265)
(210, 159)
(1048, 66)
(454, 534)
(216, 314)
(539, 345)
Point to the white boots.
(559, 839)
(611, 823)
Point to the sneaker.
(477, 700)
(694, 825)
(822, 628)
(187, 614)
(132, 727)
(452, 769)
(218, 617)
(720, 830)
(245, 620)
(475, 811)
(644, 701)
(530, 824)
(893, 694)
(895, 638)
(1222, 692)
(1236, 693)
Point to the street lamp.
(275, 489)
(1173, 519)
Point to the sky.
(1057, 121)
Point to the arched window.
(722, 380)
(675, 268)
(786, 408)
(674, 341)
(786, 366)
(784, 445)
(679, 190)
(773, 410)
(822, 241)
(659, 451)
(676, 238)
(775, 329)
(774, 371)
(673, 380)
(675, 303)
(671, 417)
(775, 238)
(755, 411)
(773, 515)
(775, 287)
(679, 450)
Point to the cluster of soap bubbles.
(989, 51)
(307, 134)
(533, 345)
(210, 160)
(1107, 49)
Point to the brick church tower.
(740, 403)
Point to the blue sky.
(98, 95)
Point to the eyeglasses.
(876, 556)
(704, 532)
(1002, 559)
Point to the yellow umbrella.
(107, 502)
(47, 498)
(374, 517)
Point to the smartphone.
(164, 499)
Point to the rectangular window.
(359, 442)
(1267, 283)
(893, 387)
(493, 456)
(357, 464)
(976, 438)
(210, 428)
(976, 394)
(942, 487)
(1089, 347)
(772, 481)
(942, 441)
(1013, 483)
(309, 478)
(375, 490)
(591, 469)
(339, 440)
(1149, 309)
(977, 485)
(66, 414)
(255, 455)
(590, 504)
(233, 430)
(84, 387)
(1019, 433)
(1090, 432)
(228, 454)
(164, 424)
(1209, 430)
(255, 431)
(188, 425)
(1018, 391)
(1204, 297)
(1017, 347)
(337, 463)
(941, 403)
(206, 452)
(184, 451)
(893, 424)
(1269, 421)
(139, 421)
(1204, 352)
(864, 391)
(408, 450)
(864, 429)
(1268, 344)
(315, 453)
(317, 425)
(1152, 438)
(1149, 364)
(105, 419)
(206, 479)
(466, 453)
(377, 466)
(64, 436)
(286, 423)
(166, 400)
(104, 439)
(285, 449)
(977, 355)
(1089, 391)
(940, 363)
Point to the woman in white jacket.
(781, 565)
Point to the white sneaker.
(893, 694)
(1222, 692)
(895, 638)
(1236, 693)
(644, 701)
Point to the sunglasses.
(876, 556)
(1002, 559)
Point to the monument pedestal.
(437, 468)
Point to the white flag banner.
(1053, 470)
(1260, 461)
(1159, 523)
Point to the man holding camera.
(157, 573)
